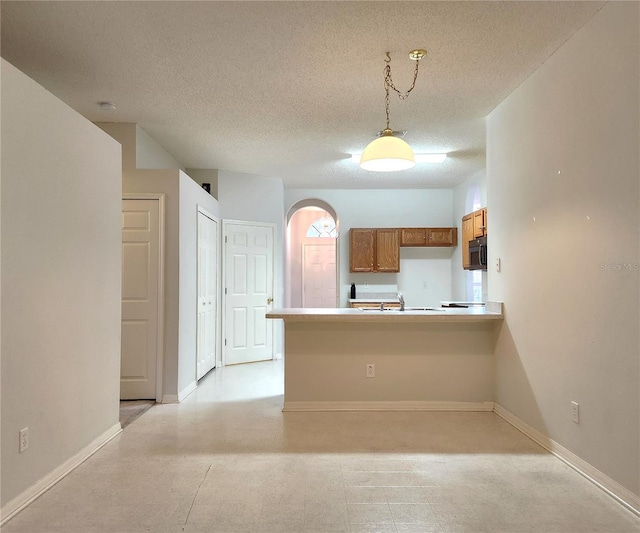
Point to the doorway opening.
(311, 255)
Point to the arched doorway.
(311, 255)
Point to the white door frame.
(160, 336)
(225, 223)
(218, 357)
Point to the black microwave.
(478, 254)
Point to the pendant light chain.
(388, 84)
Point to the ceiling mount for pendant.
(395, 133)
(388, 152)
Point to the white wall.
(191, 197)
(182, 198)
(139, 150)
(391, 208)
(149, 154)
(61, 284)
(562, 171)
(466, 196)
(205, 175)
(258, 199)
(125, 134)
(165, 182)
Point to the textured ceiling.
(290, 89)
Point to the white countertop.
(491, 311)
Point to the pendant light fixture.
(389, 153)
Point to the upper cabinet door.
(480, 223)
(442, 236)
(413, 236)
(388, 250)
(467, 235)
(362, 250)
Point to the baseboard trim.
(621, 494)
(387, 406)
(16, 505)
(187, 390)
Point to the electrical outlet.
(23, 443)
(576, 412)
(371, 370)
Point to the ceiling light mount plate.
(394, 133)
(417, 54)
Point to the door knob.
(269, 300)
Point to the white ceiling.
(291, 89)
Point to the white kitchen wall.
(61, 286)
(562, 180)
(467, 197)
(391, 208)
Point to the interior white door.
(140, 296)
(207, 294)
(249, 292)
(319, 275)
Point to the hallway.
(228, 460)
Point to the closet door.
(207, 294)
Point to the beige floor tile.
(369, 513)
(228, 460)
(365, 495)
(405, 495)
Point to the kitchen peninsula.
(423, 358)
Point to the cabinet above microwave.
(474, 225)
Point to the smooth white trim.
(160, 335)
(187, 390)
(623, 495)
(35, 491)
(388, 406)
(170, 398)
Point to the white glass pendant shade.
(387, 154)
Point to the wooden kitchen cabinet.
(374, 305)
(374, 250)
(480, 223)
(388, 250)
(467, 235)
(442, 236)
(474, 225)
(413, 236)
(362, 250)
(428, 236)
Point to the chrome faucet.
(401, 300)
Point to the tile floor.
(228, 460)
